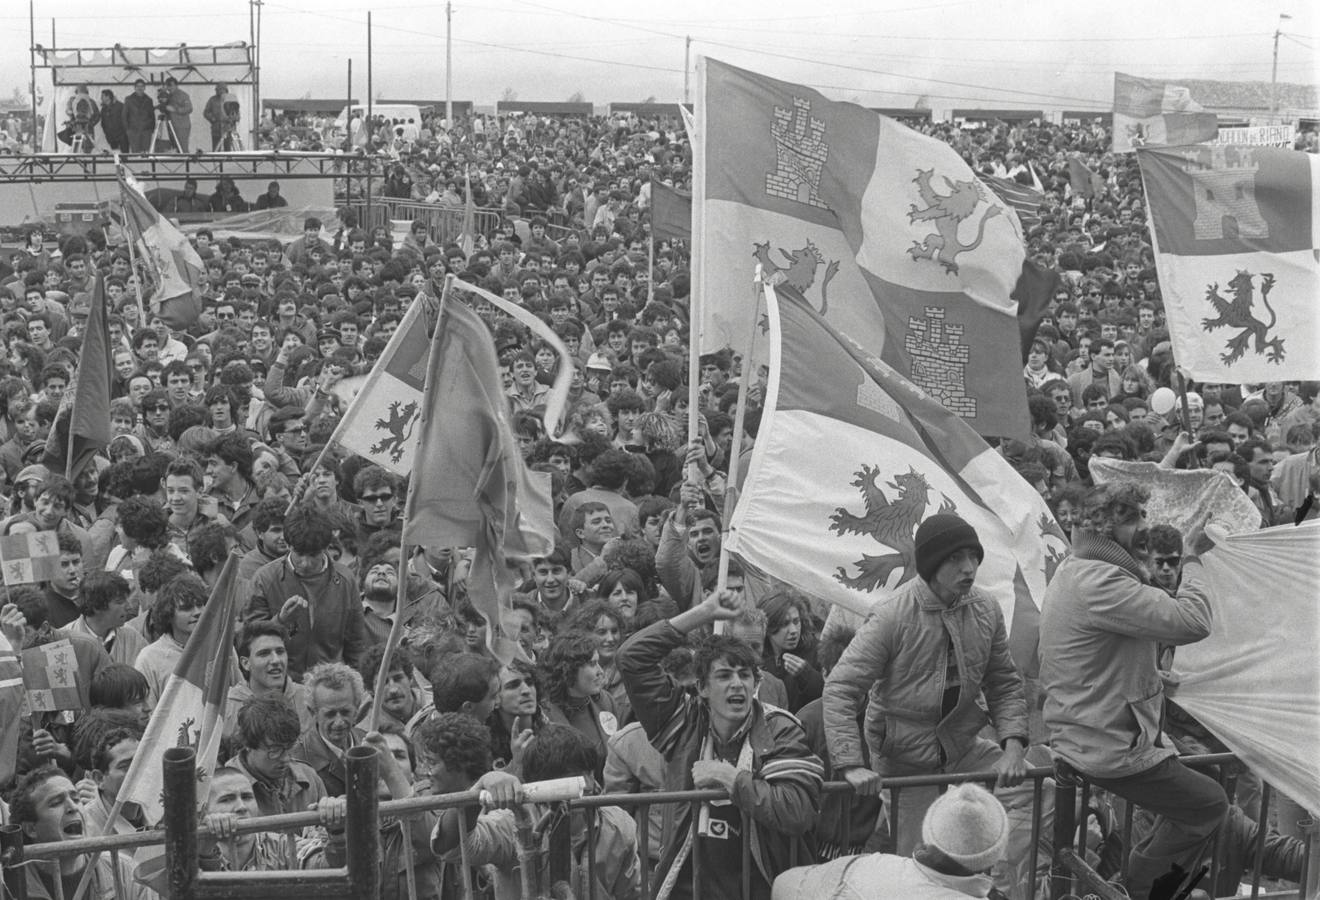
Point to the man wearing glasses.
(378, 496)
(267, 731)
(288, 435)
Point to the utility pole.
(254, 29)
(449, 64)
(1274, 71)
(687, 68)
(34, 143)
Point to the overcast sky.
(878, 52)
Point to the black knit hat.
(941, 536)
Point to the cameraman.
(176, 106)
(215, 114)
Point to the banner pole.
(396, 627)
(739, 423)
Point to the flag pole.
(133, 238)
(739, 422)
(650, 258)
(396, 627)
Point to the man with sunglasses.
(288, 436)
(378, 497)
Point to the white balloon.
(1163, 400)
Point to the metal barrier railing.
(444, 224)
(1068, 872)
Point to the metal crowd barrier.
(1069, 874)
(445, 224)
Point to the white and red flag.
(887, 233)
(1236, 231)
(840, 523)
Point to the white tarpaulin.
(1255, 681)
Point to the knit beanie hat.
(969, 826)
(941, 536)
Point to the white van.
(398, 115)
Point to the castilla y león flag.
(1236, 231)
(841, 524)
(380, 422)
(886, 232)
(1148, 111)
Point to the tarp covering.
(1255, 682)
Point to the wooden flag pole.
(132, 253)
(739, 423)
(396, 627)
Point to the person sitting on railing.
(1101, 622)
(927, 657)
(963, 835)
(723, 738)
(44, 804)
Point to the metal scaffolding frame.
(263, 166)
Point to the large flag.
(89, 419)
(1255, 681)
(472, 491)
(379, 424)
(885, 231)
(841, 524)
(174, 265)
(192, 702)
(1026, 199)
(1236, 231)
(11, 703)
(671, 212)
(1148, 112)
(1083, 181)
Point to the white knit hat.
(968, 825)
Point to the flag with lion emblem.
(1236, 231)
(841, 524)
(380, 422)
(886, 232)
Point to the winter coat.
(1100, 627)
(778, 800)
(329, 629)
(901, 656)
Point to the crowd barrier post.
(1065, 817)
(11, 861)
(358, 880)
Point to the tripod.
(230, 139)
(166, 141)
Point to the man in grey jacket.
(927, 655)
(1102, 621)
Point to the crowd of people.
(221, 445)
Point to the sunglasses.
(296, 429)
(377, 498)
(1161, 562)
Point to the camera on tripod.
(162, 100)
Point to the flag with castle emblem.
(1236, 232)
(1148, 111)
(379, 424)
(886, 232)
(841, 525)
